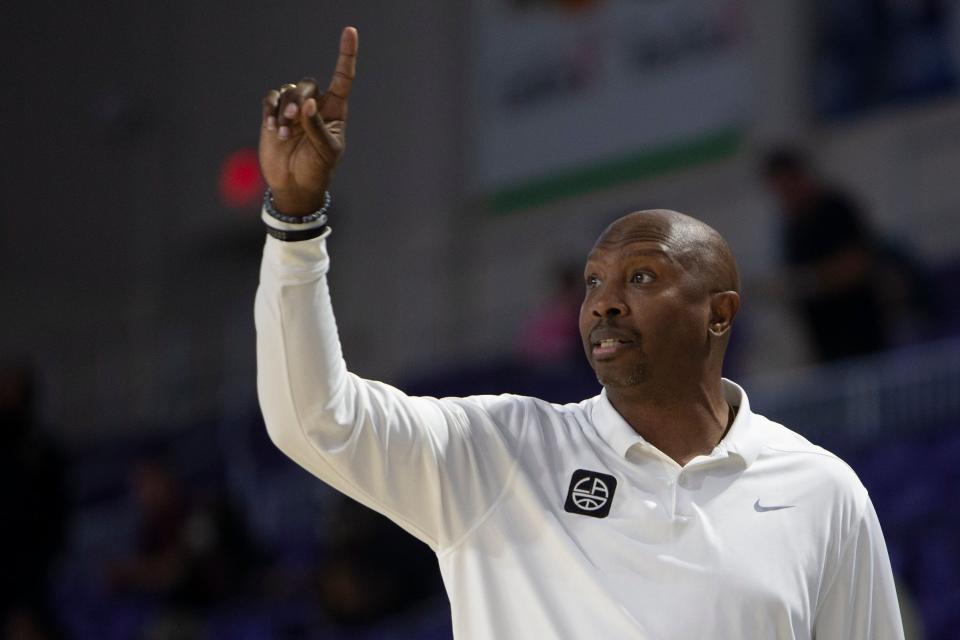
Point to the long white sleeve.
(433, 466)
(861, 602)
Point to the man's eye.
(641, 277)
(592, 281)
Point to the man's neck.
(682, 424)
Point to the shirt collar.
(614, 430)
(743, 438)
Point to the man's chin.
(610, 377)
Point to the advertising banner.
(571, 95)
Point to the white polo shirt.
(559, 521)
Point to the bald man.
(663, 508)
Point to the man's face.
(644, 315)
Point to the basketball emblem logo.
(590, 493)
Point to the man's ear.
(723, 309)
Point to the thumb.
(314, 127)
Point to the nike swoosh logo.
(760, 508)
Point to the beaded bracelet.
(271, 210)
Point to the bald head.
(696, 245)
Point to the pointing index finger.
(335, 103)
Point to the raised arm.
(433, 466)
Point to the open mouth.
(609, 346)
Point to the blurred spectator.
(224, 562)
(158, 563)
(372, 569)
(909, 293)
(189, 557)
(851, 287)
(33, 497)
(551, 336)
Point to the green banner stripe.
(609, 173)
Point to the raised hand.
(302, 134)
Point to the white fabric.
(692, 552)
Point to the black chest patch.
(590, 493)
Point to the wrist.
(318, 217)
(298, 204)
(291, 228)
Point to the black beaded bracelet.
(298, 235)
(319, 214)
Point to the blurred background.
(489, 143)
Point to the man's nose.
(608, 305)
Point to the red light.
(241, 185)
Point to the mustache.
(605, 330)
